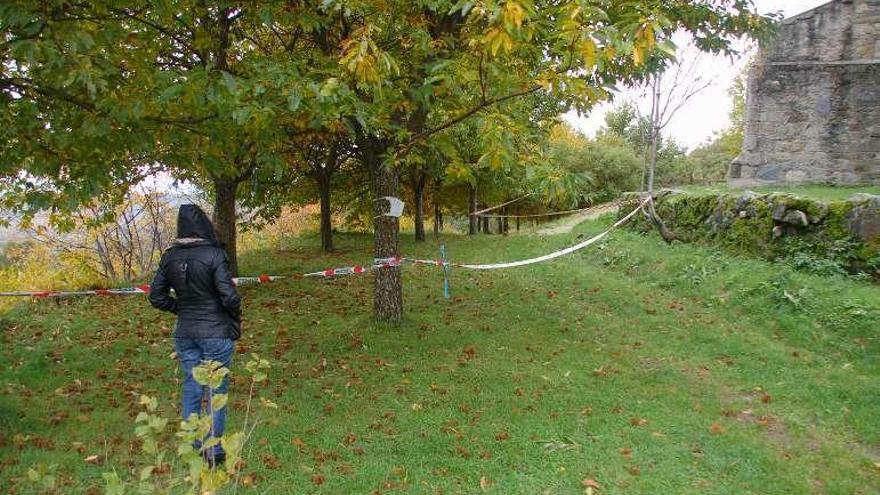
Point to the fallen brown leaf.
(485, 483)
(590, 483)
(270, 461)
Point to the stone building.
(813, 104)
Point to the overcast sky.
(707, 112)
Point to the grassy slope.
(647, 368)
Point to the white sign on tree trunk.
(395, 207)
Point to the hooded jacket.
(196, 267)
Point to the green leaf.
(266, 16)
(48, 481)
(158, 424)
(240, 116)
(184, 449)
(112, 484)
(200, 375)
(170, 93)
(150, 446)
(233, 443)
(667, 47)
(293, 101)
(85, 40)
(229, 81)
(146, 472)
(329, 87)
(219, 401)
(210, 442)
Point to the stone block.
(771, 173)
(779, 211)
(863, 221)
(796, 218)
(797, 176)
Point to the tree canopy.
(230, 94)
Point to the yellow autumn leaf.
(638, 55)
(512, 15)
(648, 36)
(496, 39)
(588, 52)
(610, 52)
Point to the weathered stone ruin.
(842, 235)
(813, 105)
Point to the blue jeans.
(191, 353)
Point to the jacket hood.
(193, 223)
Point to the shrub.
(161, 472)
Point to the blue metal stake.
(445, 270)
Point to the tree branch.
(25, 85)
(162, 29)
(449, 123)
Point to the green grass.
(816, 191)
(650, 369)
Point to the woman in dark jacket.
(207, 307)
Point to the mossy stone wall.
(840, 234)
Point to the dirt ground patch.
(566, 224)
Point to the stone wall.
(831, 237)
(813, 104)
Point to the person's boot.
(214, 459)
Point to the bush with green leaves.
(177, 467)
(606, 165)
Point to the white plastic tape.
(562, 252)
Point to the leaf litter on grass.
(342, 376)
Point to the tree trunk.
(665, 233)
(419, 217)
(224, 219)
(486, 226)
(326, 214)
(473, 225)
(655, 132)
(387, 288)
(438, 211)
(500, 222)
(438, 218)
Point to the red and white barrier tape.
(378, 263)
(123, 291)
(261, 279)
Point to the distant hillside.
(13, 233)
